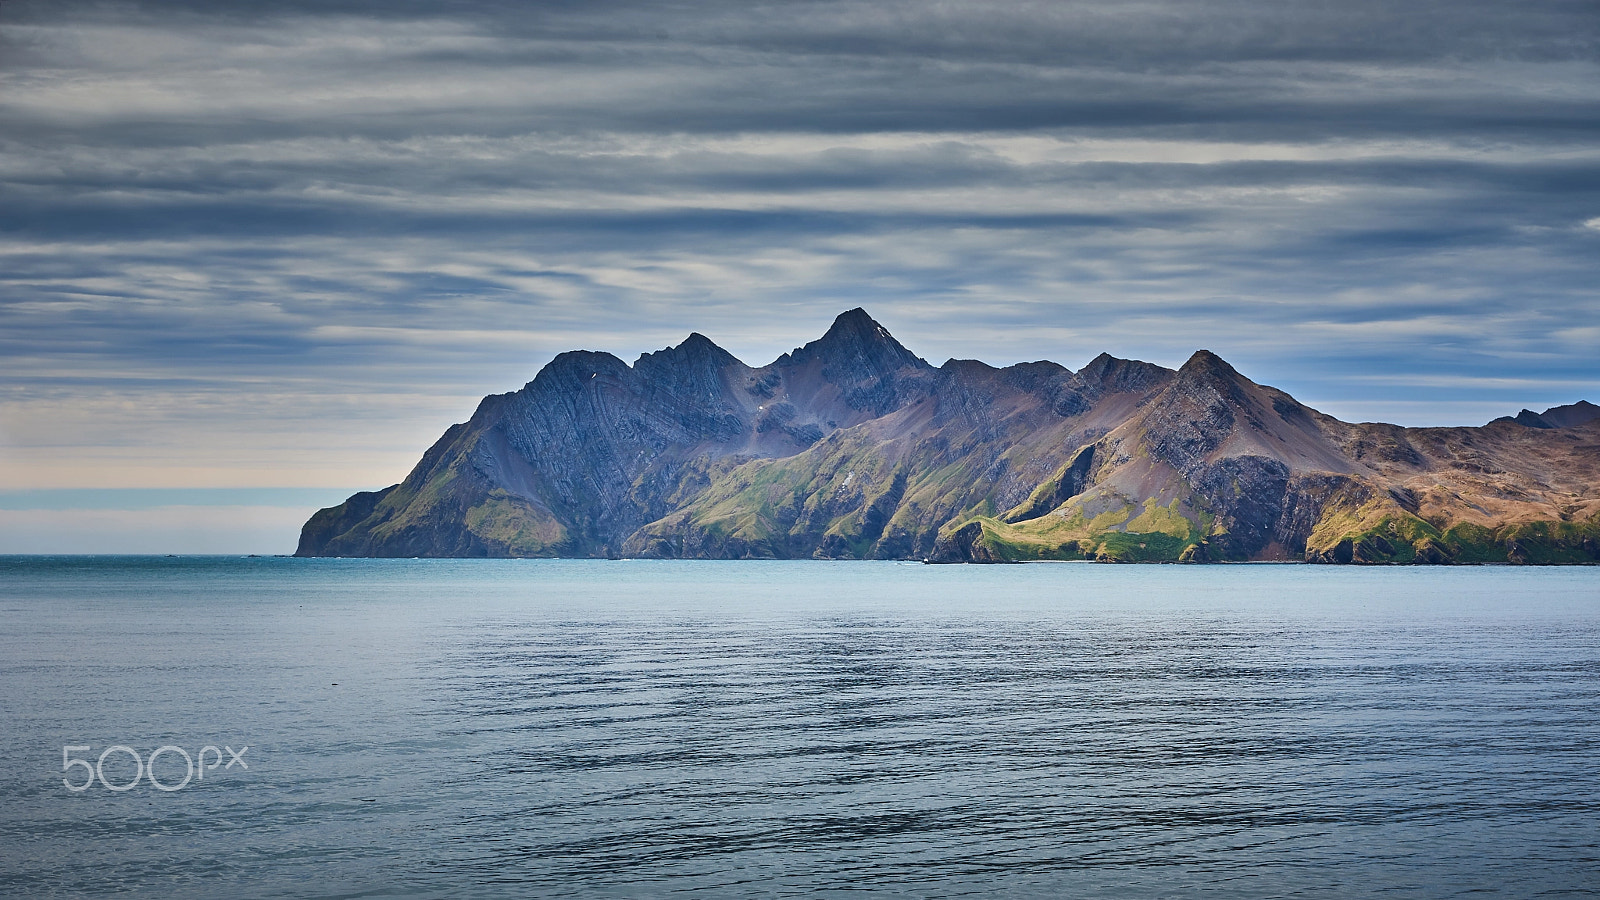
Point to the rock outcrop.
(1568, 416)
(852, 447)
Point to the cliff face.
(853, 447)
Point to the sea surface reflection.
(586, 728)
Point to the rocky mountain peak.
(576, 368)
(856, 320)
(1099, 363)
(696, 351)
(855, 348)
(697, 342)
(968, 367)
(1207, 380)
(1039, 377)
(1206, 402)
(1207, 365)
(1571, 415)
(1109, 374)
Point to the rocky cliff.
(853, 447)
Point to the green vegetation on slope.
(1377, 532)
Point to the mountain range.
(852, 447)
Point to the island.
(852, 447)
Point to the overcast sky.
(283, 246)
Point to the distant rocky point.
(1568, 416)
(852, 447)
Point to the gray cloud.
(300, 221)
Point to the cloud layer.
(287, 244)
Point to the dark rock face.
(1196, 413)
(1306, 498)
(592, 449)
(853, 447)
(1247, 493)
(1572, 415)
(965, 544)
(1078, 393)
(328, 524)
(1069, 483)
(873, 372)
(854, 349)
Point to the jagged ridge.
(853, 447)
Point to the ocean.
(243, 727)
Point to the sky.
(254, 257)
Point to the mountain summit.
(853, 447)
(856, 344)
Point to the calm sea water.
(592, 728)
